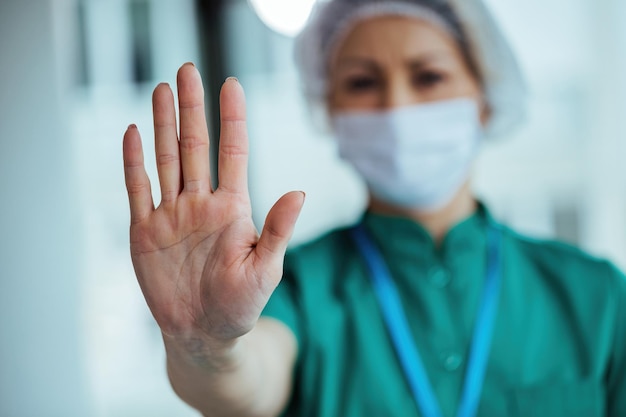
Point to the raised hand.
(199, 260)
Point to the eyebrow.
(414, 63)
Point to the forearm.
(248, 377)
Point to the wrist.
(201, 351)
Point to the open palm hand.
(198, 258)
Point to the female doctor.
(428, 306)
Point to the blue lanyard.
(398, 326)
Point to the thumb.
(279, 226)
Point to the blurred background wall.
(76, 338)
(42, 363)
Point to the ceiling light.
(286, 17)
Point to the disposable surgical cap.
(468, 21)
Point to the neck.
(437, 222)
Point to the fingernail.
(303, 195)
(132, 126)
(190, 63)
(232, 79)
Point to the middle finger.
(194, 135)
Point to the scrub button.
(439, 277)
(452, 362)
(460, 246)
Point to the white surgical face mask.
(415, 156)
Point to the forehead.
(395, 37)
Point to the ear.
(485, 110)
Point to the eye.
(358, 84)
(428, 79)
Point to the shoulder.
(561, 254)
(564, 265)
(326, 269)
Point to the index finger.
(233, 153)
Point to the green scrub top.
(559, 346)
